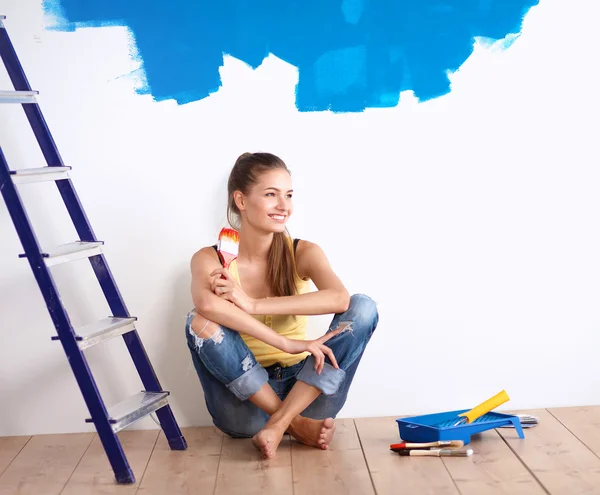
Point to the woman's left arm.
(331, 296)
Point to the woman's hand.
(315, 347)
(229, 289)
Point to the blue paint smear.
(350, 54)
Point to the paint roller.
(483, 408)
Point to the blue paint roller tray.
(440, 426)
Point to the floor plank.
(583, 422)
(45, 464)
(340, 469)
(493, 469)
(94, 474)
(243, 471)
(9, 449)
(556, 457)
(190, 471)
(398, 475)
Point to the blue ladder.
(107, 421)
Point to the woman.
(261, 377)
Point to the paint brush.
(436, 452)
(228, 245)
(441, 443)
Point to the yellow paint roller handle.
(486, 407)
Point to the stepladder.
(152, 399)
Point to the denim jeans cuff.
(249, 383)
(328, 381)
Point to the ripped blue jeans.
(229, 373)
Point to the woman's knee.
(201, 329)
(204, 328)
(363, 311)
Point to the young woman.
(261, 377)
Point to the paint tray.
(440, 426)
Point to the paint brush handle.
(418, 452)
(419, 445)
(436, 453)
(485, 407)
(226, 266)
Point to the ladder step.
(18, 96)
(39, 174)
(135, 408)
(71, 252)
(103, 330)
(100, 331)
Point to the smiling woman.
(247, 331)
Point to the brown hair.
(281, 263)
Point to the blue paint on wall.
(350, 54)
(352, 10)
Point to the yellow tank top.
(286, 325)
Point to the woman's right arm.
(214, 308)
(223, 312)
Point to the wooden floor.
(559, 456)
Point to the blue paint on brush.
(350, 54)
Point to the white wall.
(472, 219)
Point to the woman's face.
(268, 204)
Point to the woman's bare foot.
(267, 440)
(313, 432)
